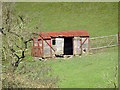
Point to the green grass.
(86, 71)
(78, 72)
(98, 19)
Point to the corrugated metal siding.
(35, 52)
(46, 49)
(77, 45)
(40, 48)
(76, 33)
(40, 43)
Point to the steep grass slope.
(97, 18)
(91, 71)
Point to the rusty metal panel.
(40, 48)
(46, 49)
(77, 45)
(35, 52)
(40, 43)
(59, 46)
(72, 33)
(85, 44)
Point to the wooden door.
(59, 46)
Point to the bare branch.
(1, 30)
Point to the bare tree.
(15, 35)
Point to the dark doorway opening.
(68, 46)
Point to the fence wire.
(103, 42)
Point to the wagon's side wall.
(76, 45)
(40, 46)
(46, 48)
(35, 49)
(85, 44)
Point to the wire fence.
(103, 42)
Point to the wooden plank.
(47, 43)
(59, 46)
(47, 49)
(76, 45)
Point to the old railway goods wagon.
(51, 44)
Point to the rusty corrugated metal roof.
(47, 35)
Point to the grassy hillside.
(88, 71)
(91, 71)
(97, 18)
